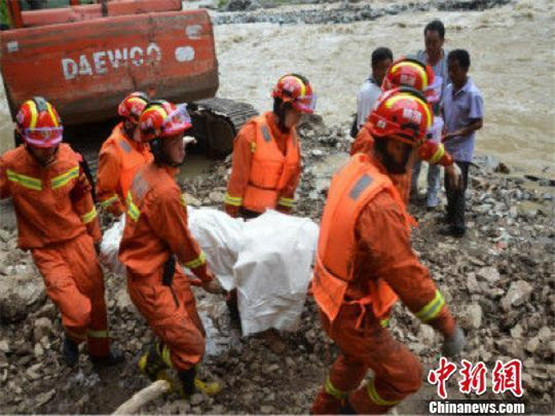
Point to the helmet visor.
(177, 121)
(43, 136)
(306, 104)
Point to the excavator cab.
(84, 58)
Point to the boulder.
(20, 295)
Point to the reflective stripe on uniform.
(199, 261)
(97, 334)
(286, 202)
(432, 309)
(334, 391)
(438, 154)
(253, 147)
(109, 201)
(183, 200)
(236, 201)
(132, 209)
(25, 181)
(63, 179)
(89, 216)
(375, 397)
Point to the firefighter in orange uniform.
(365, 262)
(155, 238)
(266, 165)
(121, 155)
(56, 220)
(406, 72)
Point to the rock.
(317, 153)
(196, 399)
(426, 335)
(5, 235)
(216, 197)
(267, 410)
(491, 274)
(502, 168)
(123, 301)
(516, 331)
(4, 346)
(519, 293)
(472, 284)
(19, 295)
(42, 328)
(183, 406)
(473, 316)
(44, 398)
(39, 351)
(192, 201)
(532, 345)
(544, 334)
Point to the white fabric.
(267, 259)
(273, 271)
(109, 248)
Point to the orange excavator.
(85, 57)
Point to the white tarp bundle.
(267, 259)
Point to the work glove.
(454, 176)
(454, 344)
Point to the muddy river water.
(511, 48)
(513, 63)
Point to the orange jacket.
(367, 257)
(119, 159)
(156, 226)
(52, 203)
(266, 167)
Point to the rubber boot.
(187, 382)
(191, 384)
(115, 356)
(152, 364)
(70, 352)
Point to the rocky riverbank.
(498, 281)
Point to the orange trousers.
(172, 314)
(364, 344)
(75, 283)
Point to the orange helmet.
(406, 72)
(163, 119)
(39, 124)
(297, 90)
(132, 106)
(401, 114)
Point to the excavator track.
(216, 122)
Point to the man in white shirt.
(435, 56)
(371, 88)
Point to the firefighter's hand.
(212, 286)
(453, 345)
(231, 210)
(454, 176)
